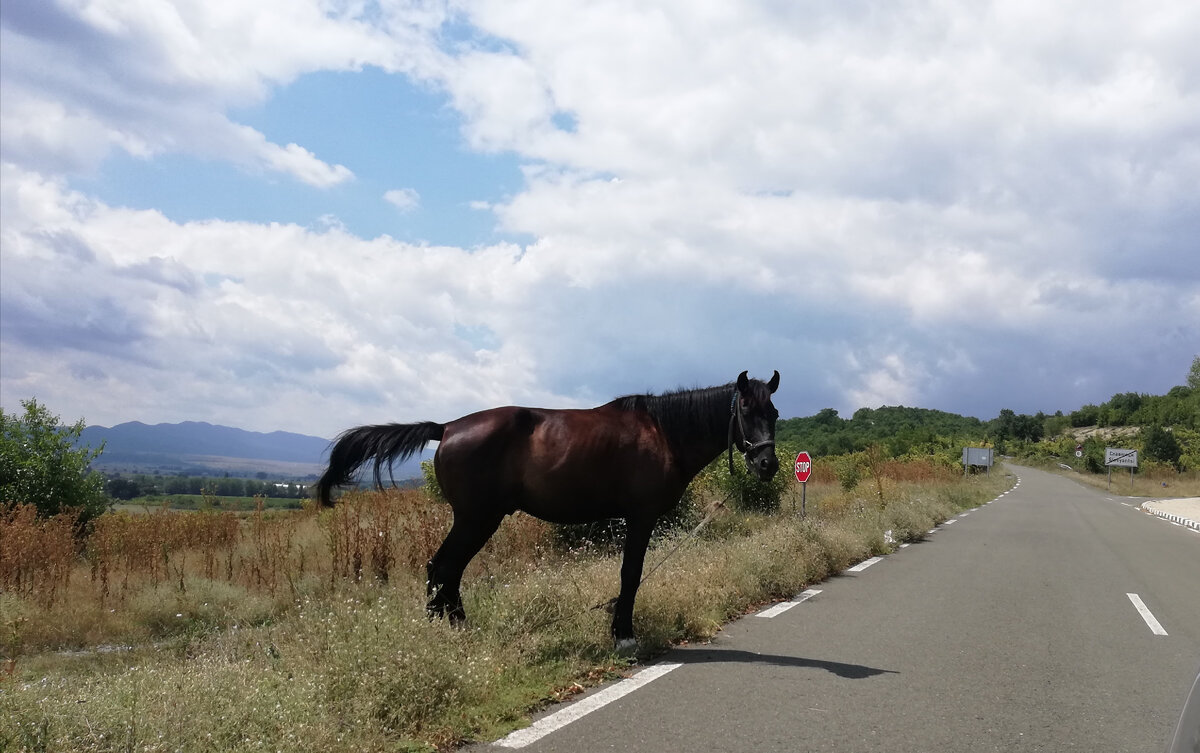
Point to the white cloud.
(404, 199)
(889, 382)
(151, 77)
(888, 203)
(293, 158)
(255, 323)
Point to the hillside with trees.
(899, 429)
(1165, 429)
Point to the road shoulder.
(1185, 511)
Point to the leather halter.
(744, 445)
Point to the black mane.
(684, 413)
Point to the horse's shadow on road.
(712, 655)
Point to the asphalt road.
(1010, 629)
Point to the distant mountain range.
(199, 438)
(199, 448)
(196, 448)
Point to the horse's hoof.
(627, 648)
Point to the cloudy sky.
(312, 214)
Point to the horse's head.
(755, 424)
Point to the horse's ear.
(774, 383)
(743, 383)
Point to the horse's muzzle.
(763, 463)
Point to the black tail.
(386, 443)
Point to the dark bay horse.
(631, 458)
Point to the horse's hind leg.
(467, 536)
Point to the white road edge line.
(782, 607)
(864, 565)
(560, 719)
(1155, 626)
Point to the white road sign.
(1119, 457)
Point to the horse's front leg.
(637, 538)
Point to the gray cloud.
(965, 208)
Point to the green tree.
(1005, 425)
(1088, 415)
(1028, 428)
(1054, 425)
(1093, 455)
(40, 464)
(1160, 444)
(1193, 377)
(122, 488)
(230, 487)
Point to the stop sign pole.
(803, 471)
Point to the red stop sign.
(803, 467)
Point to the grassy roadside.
(324, 663)
(1158, 484)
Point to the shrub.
(742, 489)
(848, 470)
(40, 465)
(1093, 455)
(1161, 445)
(431, 485)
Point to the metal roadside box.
(981, 456)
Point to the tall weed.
(37, 554)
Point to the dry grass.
(1156, 483)
(139, 575)
(312, 634)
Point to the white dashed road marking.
(779, 609)
(1144, 611)
(864, 565)
(559, 719)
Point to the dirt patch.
(1104, 432)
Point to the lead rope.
(712, 511)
